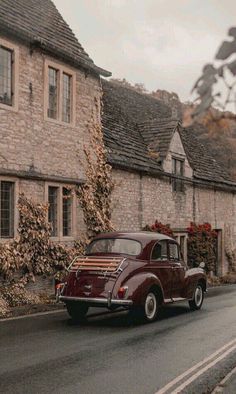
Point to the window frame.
(15, 182)
(61, 70)
(178, 249)
(177, 184)
(14, 75)
(167, 250)
(60, 236)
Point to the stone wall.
(138, 201)
(35, 146)
(31, 143)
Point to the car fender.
(139, 285)
(193, 277)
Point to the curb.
(225, 385)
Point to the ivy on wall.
(95, 194)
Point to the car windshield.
(115, 245)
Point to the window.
(60, 211)
(6, 209)
(53, 208)
(174, 251)
(52, 93)
(5, 76)
(9, 75)
(60, 88)
(67, 200)
(177, 169)
(159, 251)
(115, 245)
(66, 98)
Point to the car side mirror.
(202, 265)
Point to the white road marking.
(165, 389)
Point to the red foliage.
(159, 227)
(202, 245)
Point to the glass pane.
(66, 98)
(53, 207)
(6, 209)
(5, 76)
(115, 245)
(52, 93)
(67, 212)
(174, 254)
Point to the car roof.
(142, 236)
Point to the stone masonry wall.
(28, 141)
(32, 144)
(156, 200)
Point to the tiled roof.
(123, 109)
(137, 135)
(157, 134)
(200, 159)
(39, 23)
(126, 147)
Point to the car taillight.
(122, 292)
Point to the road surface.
(110, 354)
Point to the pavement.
(190, 351)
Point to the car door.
(161, 267)
(178, 270)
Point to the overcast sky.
(161, 43)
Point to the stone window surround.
(61, 69)
(60, 236)
(16, 212)
(15, 75)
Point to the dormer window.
(177, 169)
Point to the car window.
(159, 252)
(174, 251)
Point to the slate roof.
(200, 159)
(123, 109)
(157, 134)
(137, 135)
(126, 148)
(39, 23)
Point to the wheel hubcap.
(150, 306)
(198, 295)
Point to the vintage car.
(138, 271)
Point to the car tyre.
(77, 311)
(198, 297)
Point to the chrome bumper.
(106, 301)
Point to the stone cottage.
(49, 90)
(49, 87)
(163, 172)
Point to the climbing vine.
(95, 194)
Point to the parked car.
(138, 271)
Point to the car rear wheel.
(150, 309)
(77, 311)
(198, 298)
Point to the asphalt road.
(109, 354)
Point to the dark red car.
(138, 271)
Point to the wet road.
(110, 354)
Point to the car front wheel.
(77, 311)
(198, 298)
